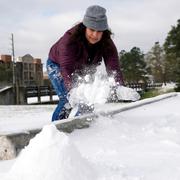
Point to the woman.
(79, 51)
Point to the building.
(46, 81)
(5, 70)
(5, 59)
(29, 71)
(15, 76)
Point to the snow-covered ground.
(138, 144)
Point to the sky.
(38, 24)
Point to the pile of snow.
(99, 90)
(51, 156)
(128, 94)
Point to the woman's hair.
(79, 35)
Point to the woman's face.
(93, 36)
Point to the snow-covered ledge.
(12, 143)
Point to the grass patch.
(177, 89)
(154, 92)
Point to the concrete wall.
(7, 96)
(11, 96)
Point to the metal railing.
(141, 87)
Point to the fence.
(141, 87)
(39, 91)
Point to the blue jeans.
(54, 73)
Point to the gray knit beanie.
(95, 18)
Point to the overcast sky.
(37, 24)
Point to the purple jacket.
(73, 57)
